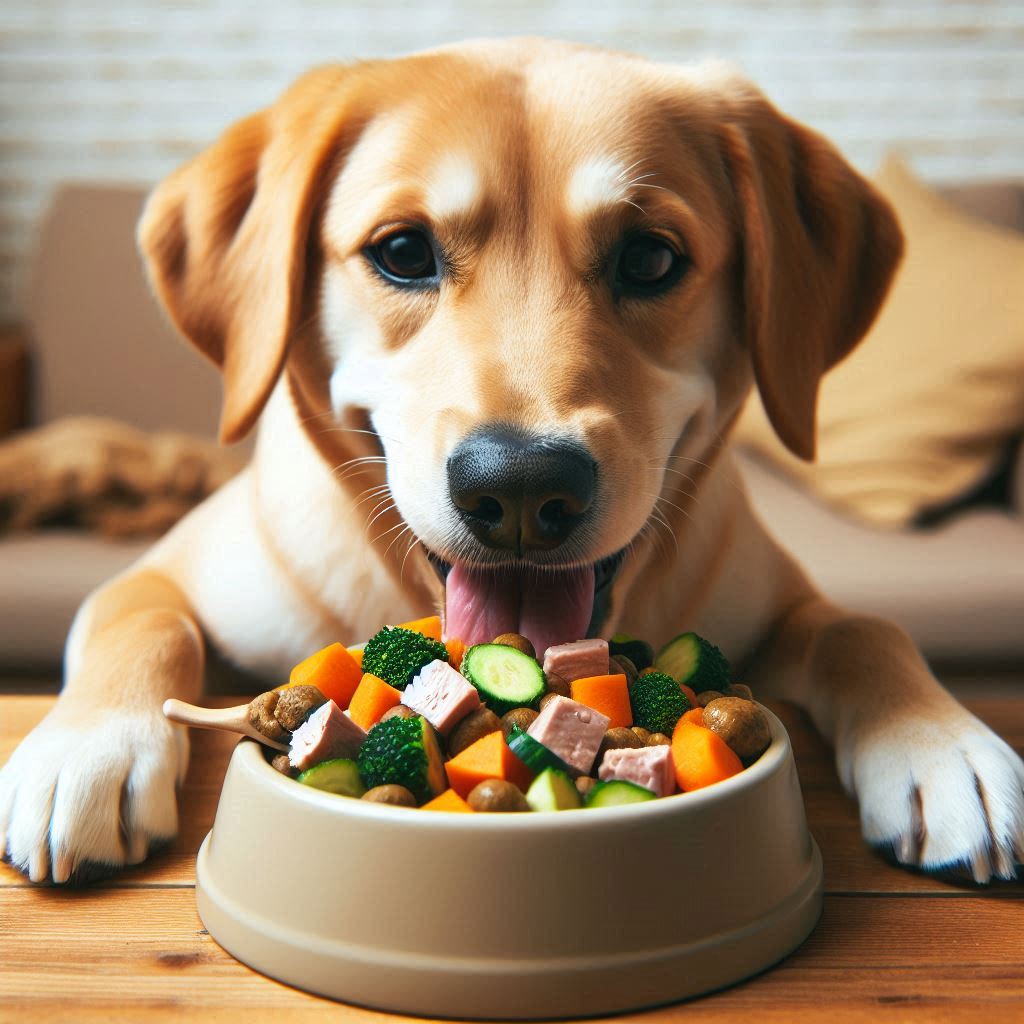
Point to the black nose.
(520, 491)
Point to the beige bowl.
(510, 916)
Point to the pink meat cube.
(650, 767)
(578, 660)
(571, 730)
(327, 733)
(441, 695)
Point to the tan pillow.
(928, 401)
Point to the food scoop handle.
(234, 719)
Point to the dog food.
(502, 733)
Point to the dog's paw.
(80, 798)
(943, 795)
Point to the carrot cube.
(695, 716)
(456, 649)
(372, 698)
(430, 626)
(691, 696)
(488, 758)
(607, 694)
(357, 654)
(333, 671)
(701, 757)
(449, 800)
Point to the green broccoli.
(396, 655)
(403, 752)
(691, 659)
(657, 702)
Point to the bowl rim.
(250, 755)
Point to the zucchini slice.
(553, 790)
(615, 792)
(506, 678)
(691, 659)
(339, 775)
(532, 752)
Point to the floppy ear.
(225, 238)
(819, 249)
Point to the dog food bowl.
(513, 916)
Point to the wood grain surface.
(890, 945)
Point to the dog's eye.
(647, 264)
(405, 256)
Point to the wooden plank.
(147, 949)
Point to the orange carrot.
(488, 758)
(372, 698)
(606, 694)
(333, 671)
(357, 655)
(456, 649)
(429, 626)
(695, 716)
(449, 800)
(701, 757)
(690, 695)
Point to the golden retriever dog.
(498, 305)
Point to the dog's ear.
(819, 246)
(225, 238)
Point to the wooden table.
(889, 945)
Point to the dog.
(498, 305)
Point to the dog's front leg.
(936, 787)
(93, 785)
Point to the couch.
(97, 343)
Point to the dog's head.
(542, 276)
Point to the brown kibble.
(557, 684)
(473, 727)
(398, 796)
(658, 739)
(618, 739)
(642, 733)
(280, 763)
(398, 711)
(585, 784)
(523, 717)
(625, 666)
(518, 641)
(547, 699)
(296, 703)
(740, 690)
(705, 697)
(741, 723)
(261, 716)
(650, 670)
(497, 795)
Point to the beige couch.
(99, 345)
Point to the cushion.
(928, 403)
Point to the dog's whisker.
(385, 507)
(371, 493)
(405, 528)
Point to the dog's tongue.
(548, 607)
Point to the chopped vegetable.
(396, 654)
(428, 627)
(456, 651)
(534, 755)
(657, 702)
(332, 670)
(616, 792)
(339, 775)
(553, 790)
(449, 800)
(488, 758)
(372, 698)
(357, 656)
(695, 716)
(608, 694)
(403, 751)
(506, 678)
(691, 659)
(701, 757)
(639, 652)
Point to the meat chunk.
(578, 660)
(650, 767)
(327, 733)
(571, 730)
(441, 695)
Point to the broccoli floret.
(657, 702)
(403, 752)
(691, 659)
(396, 655)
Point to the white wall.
(108, 90)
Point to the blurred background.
(99, 99)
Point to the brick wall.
(111, 90)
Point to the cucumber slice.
(339, 775)
(532, 752)
(691, 659)
(506, 678)
(553, 790)
(617, 791)
(639, 652)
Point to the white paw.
(78, 794)
(944, 794)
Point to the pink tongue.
(548, 607)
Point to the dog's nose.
(520, 491)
